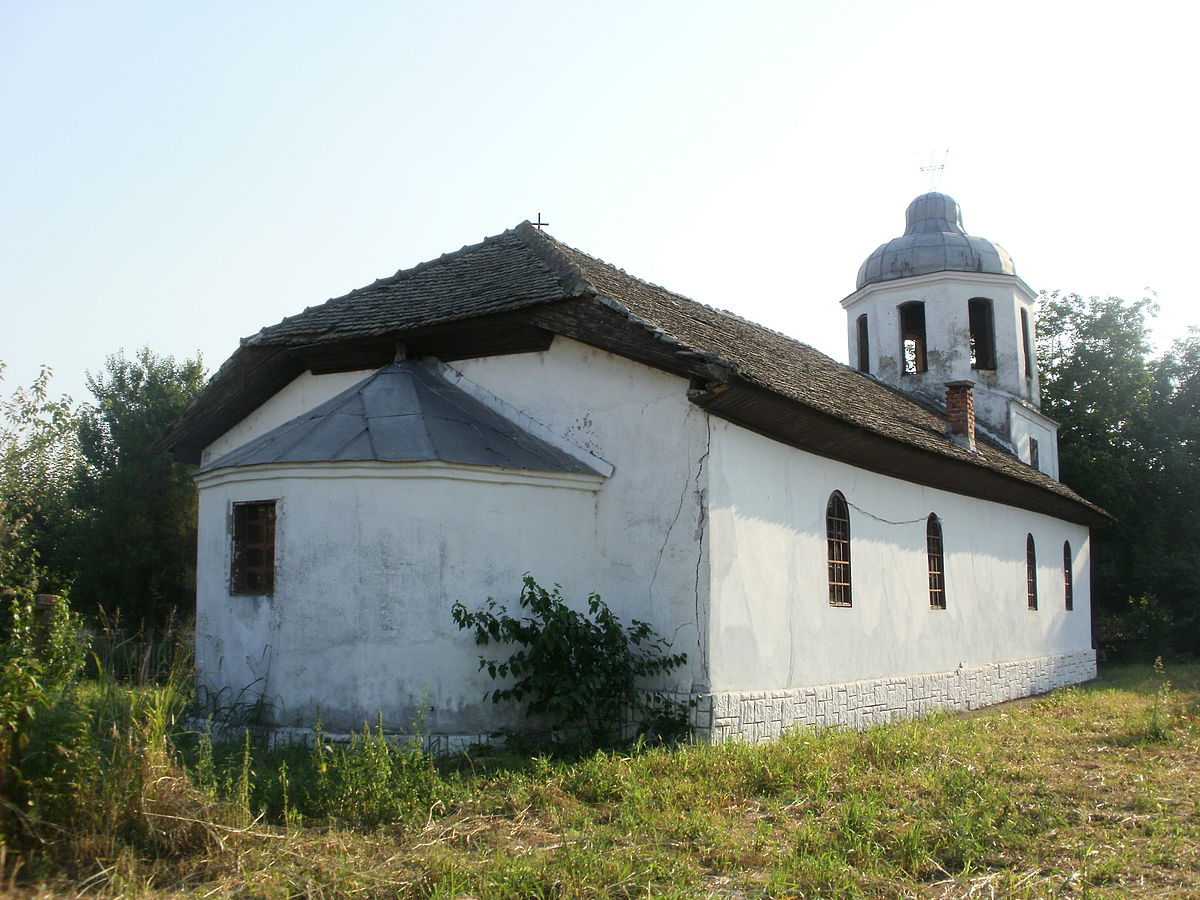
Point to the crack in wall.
(701, 639)
(691, 485)
(667, 539)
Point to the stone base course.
(764, 715)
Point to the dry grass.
(1089, 792)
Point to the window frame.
(248, 578)
(936, 559)
(837, 550)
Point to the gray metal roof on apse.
(405, 412)
(934, 241)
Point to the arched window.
(912, 336)
(1030, 572)
(983, 333)
(837, 536)
(864, 346)
(937, 562)
(1068, 577)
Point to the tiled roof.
(795, 370)
(524, 268)
(500, 274)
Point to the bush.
(41, 654)
(43, 734)
(581, 671)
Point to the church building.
(828, 544)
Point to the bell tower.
(937, 306)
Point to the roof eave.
(809, 429)
(256, 372)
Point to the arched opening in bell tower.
(983, 333)
(1026, 343)
(864, 345)
(912, 337)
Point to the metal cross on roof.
(933, 169)
(539, 223)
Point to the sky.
(180, 175)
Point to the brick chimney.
(960, 413)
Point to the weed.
(582, 672)
(996, 804)
(1158, 721)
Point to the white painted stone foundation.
(757, 716)
(764, 715)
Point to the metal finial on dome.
(934, 241)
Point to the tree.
(39, 460)
(1096, 383)
(1175, 402)
(1128, 440)
(135, 551)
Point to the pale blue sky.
(182, 174)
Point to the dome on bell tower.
(934, 241)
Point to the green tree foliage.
(1130, 441)
(582, 672)
(1175, 402)
(136, 550)
(39, 460)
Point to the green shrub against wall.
(582, 671)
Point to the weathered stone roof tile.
(524, 268)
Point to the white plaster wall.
(1026, 424)
(947, 333)
(650, 551)
(368, 562)
(771, 623)
(369, 565)
(300, 395)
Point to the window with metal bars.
(837, 535)
(1031, 572)
(937, 562)
(253, 568)
(1068, 576)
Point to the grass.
(1086, 792)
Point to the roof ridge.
(720, 310)
(417, 267)
(560, 246)
(547, 250)
(429, 263)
